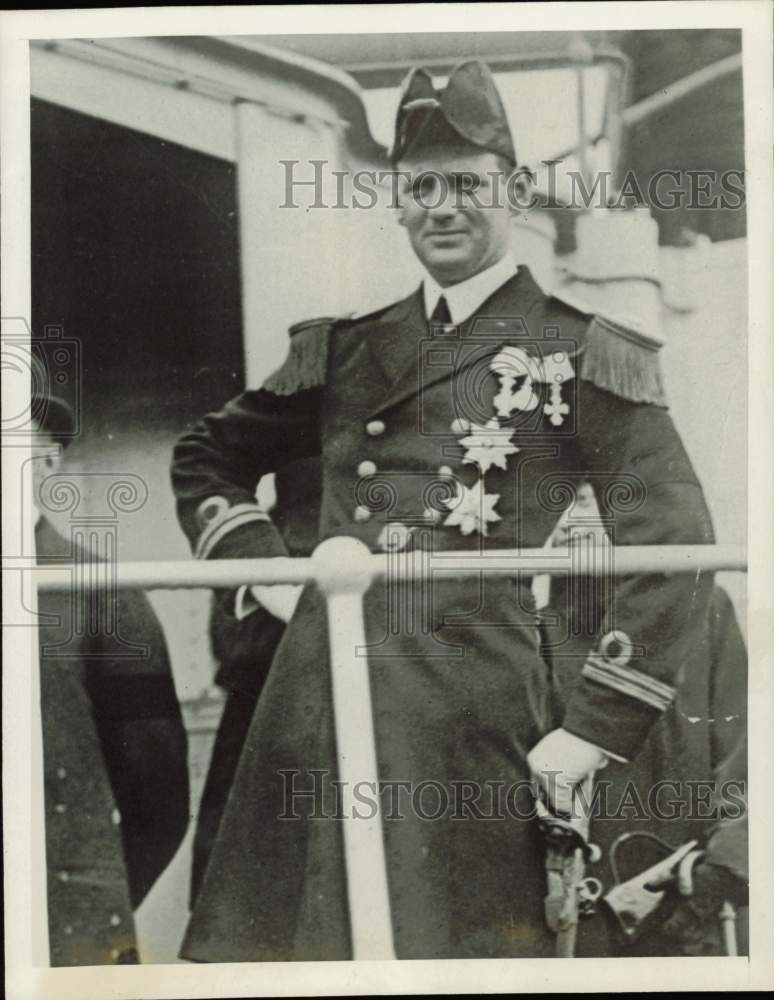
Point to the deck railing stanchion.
(343, 573)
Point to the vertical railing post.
(343, 574)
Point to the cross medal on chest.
(513, 364)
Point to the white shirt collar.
(464, 298)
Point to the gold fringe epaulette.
(306, 365)
(621, 359)
(614, 352)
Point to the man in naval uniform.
(447, 421)
(114, 744)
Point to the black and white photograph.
(386, 452)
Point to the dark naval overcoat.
(115, 764)
(447, 439)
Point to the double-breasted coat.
(445, 439)
(115, 764)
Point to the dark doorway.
(135, 256)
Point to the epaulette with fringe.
(622, 359)
(305, 366)
(617, 355)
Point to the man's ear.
(52, 460)
(56, 458)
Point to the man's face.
(455, 209)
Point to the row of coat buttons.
(61, 808)
(399, 533)
(375, 428)
(115, 920)
(115, 815)
(362, 514)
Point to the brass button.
(115, 817)
(67, 929)
(60, 808)
(375, 427)
(63, 876)
(366, 469)
(61, 773)
(115, 920)
(362, 514)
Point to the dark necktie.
(441, 315)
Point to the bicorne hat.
(468, 110)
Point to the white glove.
(560, 762)
(279, 599)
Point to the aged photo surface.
(387, 493)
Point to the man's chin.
(449, 266)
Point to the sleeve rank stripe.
(629, 682)
(634, 676)
(236, 517)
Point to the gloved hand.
(692, 928)
(279, 599)
(560, 762)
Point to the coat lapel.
(394, 342)
(502, 316)
(365, 347)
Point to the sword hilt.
(565, 835)
(571, 894)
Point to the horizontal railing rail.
(601, 560)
